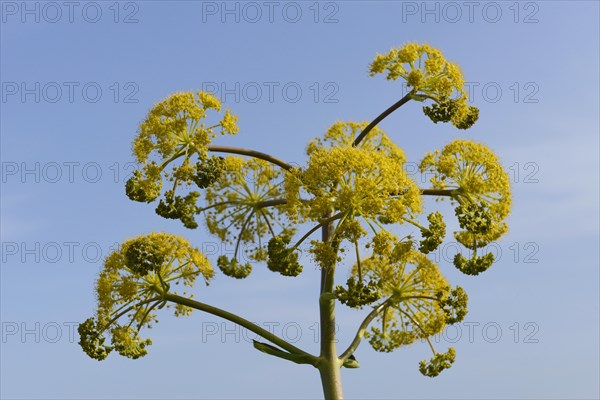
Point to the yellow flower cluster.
(431, 76)
(423, 67)
(478, 177)
(482, 194)
(418, 302)
(240, 212)
(412, 284)
(174, 126)
(173, 129)
(367, 181)
(132, 285)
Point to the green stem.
(251, 153)
(275, 352)
(438, 192)
(270, 203)
(240, 321)
(119, 315)
(221, 203)
(143, 319)
(315, 228)
(267, 222)
(242, 229)
(432, 192)
(380, 118)
(358, 266)
(329, 363)
(173, 157)
(362, 329)
(421, 329)
(415, 223)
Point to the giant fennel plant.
(353, 190)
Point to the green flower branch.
(251, 153)
(244, 323)
(362, 329)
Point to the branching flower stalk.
(353, 189)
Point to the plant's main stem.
(329, 363)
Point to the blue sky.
(77, 79)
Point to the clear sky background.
(78, 78)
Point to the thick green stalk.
(329, 364)
(331, 380)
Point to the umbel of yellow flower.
(481, 193)
(419, 302)
(366, 182)
(430, 76)
(241, 213)
(238, 190)
(130, 287)
(176, 128)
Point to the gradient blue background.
(547, 135)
